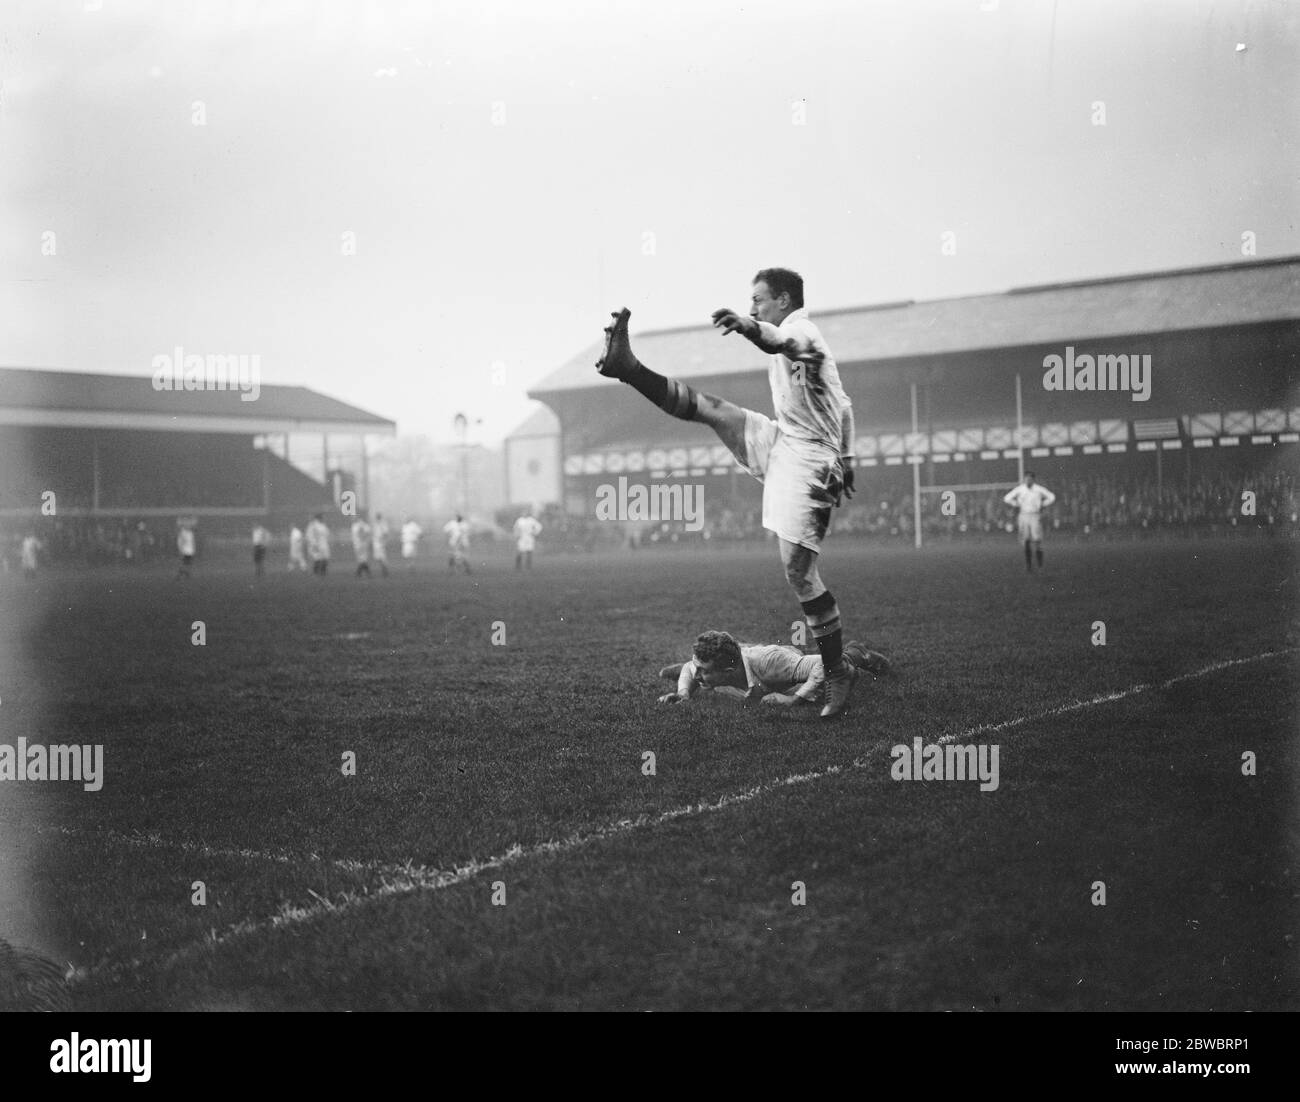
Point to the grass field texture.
(501, 847)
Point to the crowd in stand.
(91, 542)
(1095, 506)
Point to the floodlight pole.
(461, 425)
(365, 473)
(1020, 439)
(916, 476)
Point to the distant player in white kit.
(804, 457)
(379, 542)
(297, 560)
(1031, 499)
(527, 529)
(261, 539)
(185, 545)
(318, 545)
(361, 537)
(411, 533)
(458, 541)
(31, 548)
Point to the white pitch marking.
(145, 840)
(1107, 698)
(406, 879)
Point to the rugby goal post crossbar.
(958, 486)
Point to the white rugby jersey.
(527, 530)
(185, 541)
(318, 540)
(1030, 500)
(809, 401)
(457, 533)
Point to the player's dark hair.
(783, 281)
(1030, 474)
(717, 646)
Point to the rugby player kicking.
(804, 457)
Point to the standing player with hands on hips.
(1031, 499)
(804, 457)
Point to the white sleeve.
(809, 688)
(1048, 496)
(1013, 498)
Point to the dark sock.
(823, 617)
(1029, 556)
(1039, 553)
(673, 397)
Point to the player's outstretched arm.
(759, 333)
(687, 684)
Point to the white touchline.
(199, 849)
(405, 879)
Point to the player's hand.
(781, 700)
(846, 469)
(732, 322)
(672, 698)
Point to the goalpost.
(916, 458)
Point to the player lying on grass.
(773, 673)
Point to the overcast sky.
(513, 171)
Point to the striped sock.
(823, 617)
(673, 397)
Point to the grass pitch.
(671, 891)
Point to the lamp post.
(461, 425)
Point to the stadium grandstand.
(100, 467)
(951, 394)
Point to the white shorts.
(1031, 527)
(801, 480)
